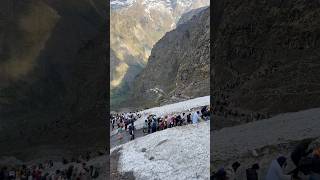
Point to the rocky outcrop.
(189, 15)
(53, 77)
(179, 64)
(265, 58)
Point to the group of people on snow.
(77, 170)
(305, 159)
(125, 121)
(154, 123)
(39, 173)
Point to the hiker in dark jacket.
(154, 126)
(179, 120)
(189, 118)
(300, 151)
(131, 131)
(220, 175)
(252, 173)
(149, 125)
(69, 172)
(311, 165)
(232, 172)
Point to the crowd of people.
(125, 121)
(154, 123)
(77, 170)
(305, 159)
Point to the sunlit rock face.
(53, 76)
(135, 26)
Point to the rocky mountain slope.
(265, 58)
(189, 15)
(179, 65)
(52, 77)
(135, 26)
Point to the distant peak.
(117, 4)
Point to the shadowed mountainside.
(53, 77)
(265, 58)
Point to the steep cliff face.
(265, 56)
(179, 64)
(53, 76)
(189, 15)
(135, 26)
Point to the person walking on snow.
(195, 117)
(131, 131)
(232, 171)
(276, 170)
(154, 126)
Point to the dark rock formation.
(53, 77)
(265, 57)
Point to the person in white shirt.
(195, 117)
(276, 170)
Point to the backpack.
(316, 165)
(305, 165)
(251, 174)
(96, 174)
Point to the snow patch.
(176, 153)
(157, 90)
(121, 3)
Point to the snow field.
(176, 153)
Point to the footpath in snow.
(181, 152)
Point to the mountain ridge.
(134, 31)
(179, 65)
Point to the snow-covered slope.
(260, 141)
(279, 129)
(175, 153)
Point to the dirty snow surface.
(176, 153)
(279, 129)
